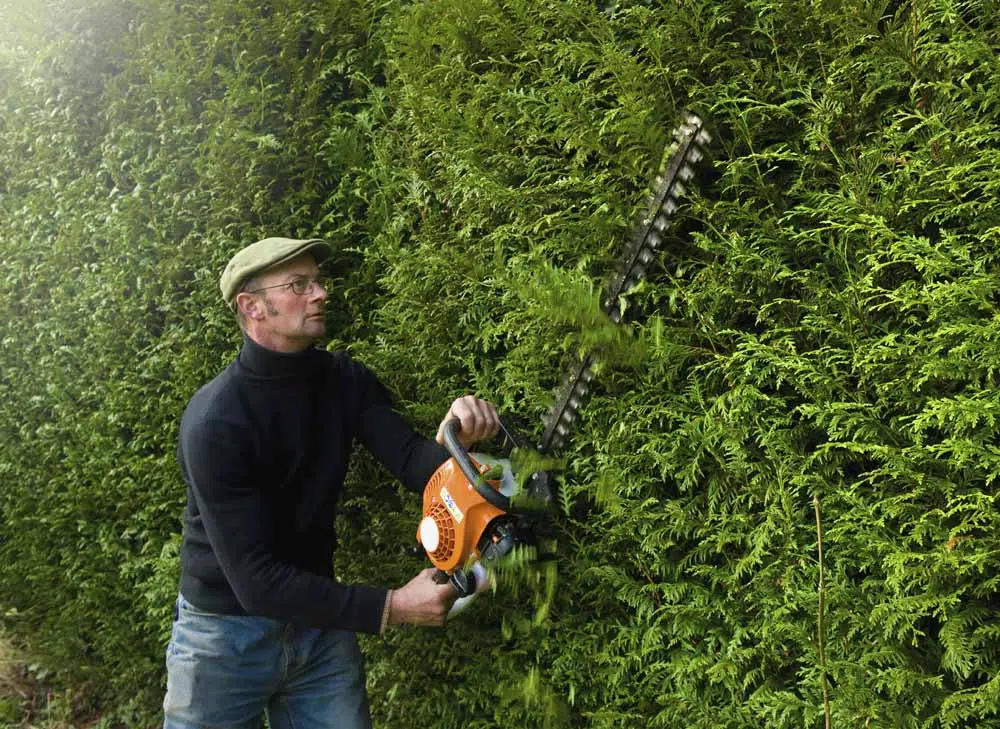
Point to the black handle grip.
(461, 456)
(463, 582)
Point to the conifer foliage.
(779, 506)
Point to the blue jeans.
(227, 671)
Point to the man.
(262, 625)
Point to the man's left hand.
(479, 420)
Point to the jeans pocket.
(221, 669)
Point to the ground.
(29, 701)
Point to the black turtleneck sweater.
(264, 449)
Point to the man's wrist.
(386, 612)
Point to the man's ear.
(250, 305)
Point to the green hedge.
(817, 345)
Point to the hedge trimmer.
(468, 519)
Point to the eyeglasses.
(299, 286)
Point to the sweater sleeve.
(216, 458)
(410, 457)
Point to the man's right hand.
(422, 601)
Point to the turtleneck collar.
(263, 362)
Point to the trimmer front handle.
(457, 451)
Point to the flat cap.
(265, 254)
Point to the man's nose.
(317, 292)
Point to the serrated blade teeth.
(637, 275)
(668, 186)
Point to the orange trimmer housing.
(459, 514)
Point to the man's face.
(291, 322)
